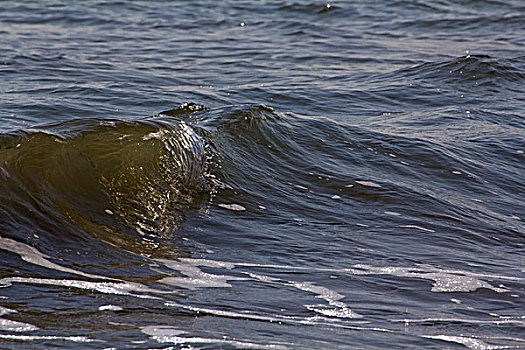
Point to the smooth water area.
(262, 174)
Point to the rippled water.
(280, 175)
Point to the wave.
(313, 169)
(101, 175)
(481, 69)
(111, 178)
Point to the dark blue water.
(262, 174)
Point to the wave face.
(89, 175)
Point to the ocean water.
(262, 174)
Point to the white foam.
(445, 280)
(310, 321)
(169, 334)
(233, 206)
(77, 339)
(368, 184)
(196, 278)
(5, 311)
(33, 256)
(161, 331)
(497, 321)
(15, 326)
(264, 278)
(333, 313)
(199, 282)
(110, 307)
(199, 262)
(123, 288)
(469, 342)
(417, 228)
(199, 279)
(342, 312)
(339, 309)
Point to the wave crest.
(481, 69)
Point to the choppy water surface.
(281, 175)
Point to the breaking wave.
(92, 175)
